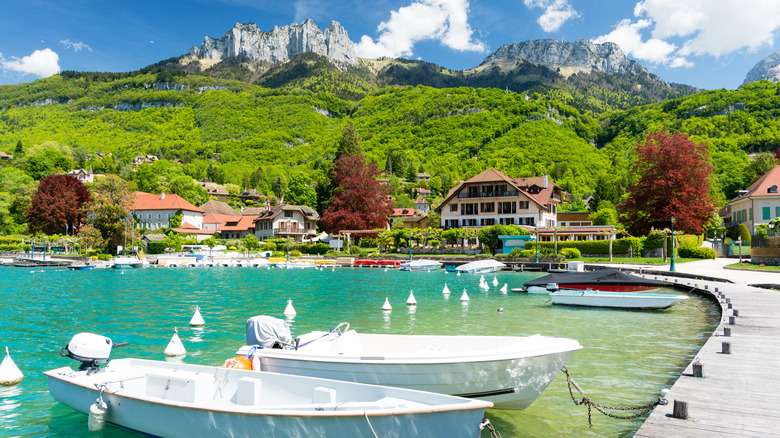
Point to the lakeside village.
(489, 215)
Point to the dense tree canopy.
(56, 205)
(359, 200)
(110, 211)
(673, 180)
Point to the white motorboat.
(180, 400)
(297, 264)
(128, 260)
(481, 267)
(420, 265)
(621, 300)
(510, 371)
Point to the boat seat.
(347, 344)
(323, 394)
(248, 391)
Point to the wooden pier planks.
(739, 394)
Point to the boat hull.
(420, 265)
(481, 267)
(511, 376)
(208, 404)
(617, 300)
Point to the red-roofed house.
(237, 227)
(154, 211)
(491, 198)
(758, 204)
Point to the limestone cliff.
(280, 43)
(767, 68)
(565, 57)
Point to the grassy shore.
(752, 267)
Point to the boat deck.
(739, 392)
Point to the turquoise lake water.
(628, 356)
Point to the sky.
(709, 44)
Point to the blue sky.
(709, 44)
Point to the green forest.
(276, 139)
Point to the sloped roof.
(521, 184)
(761, 188)
(403, 212)
(151, 201)
(187, 228)
(216, 218)
(219, 207)
(237, 223)
(308, 212)
(420, 200)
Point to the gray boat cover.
(594, 278)
(268, 332)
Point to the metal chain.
(602, 408)
(487, 425)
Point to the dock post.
(697, 370)
(726, 331)
(732, 320)
(680, 410)
(736, 312)
(726, 348)
(729, 305)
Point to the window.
(751, 214)
(523, 205)
(507, 221)
(454, 208)
(288, 214)
(487, 207)
(766, 213)
(777, 211)
(159, 215)
(487, 222)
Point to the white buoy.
(465, 296)
(387, 305)
(9, 373)
(504, 288)
(175, 347)
(197, 320)
(458, 275)
(97, 415)
(289, 310)
(495, 281)
(411, 301)
(446, 290)
(481, 278)
(385, 269)
(484, 287)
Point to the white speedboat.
(510, 371)
(179, 400)
(420, 265)
(621, 300)
(481, 267)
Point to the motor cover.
(89, 347)
(268, 332)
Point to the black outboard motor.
(89, 349)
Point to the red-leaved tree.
(674, 180)
(359, 201)
(57, 204)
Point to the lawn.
(752, 267)
(634, 260)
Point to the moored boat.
(480, 267)
(81, 267)
(420, 265)
(127, 260)
(181, 400)
(510, 371)
(606, 280)
(620, 300)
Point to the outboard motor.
(552, 287)
(268, 332)
(89, 349)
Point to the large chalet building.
(756, 205)
(491, 198)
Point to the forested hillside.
(235, 133)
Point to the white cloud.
(556, 13)
(696, 28)
(75, 46)
(628, 35)
(442, 20)
(41, 63)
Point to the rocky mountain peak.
(280, 43)
(566, 57)
(767, 68)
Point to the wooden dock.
(738, 394)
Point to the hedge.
(696, 253)
(571, 253)
(593, 247)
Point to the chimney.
(162, 196)
(545, 180)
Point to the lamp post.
(672, 220)
(771, 229)
(536, 228)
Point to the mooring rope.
(603, 408)
(487, 425)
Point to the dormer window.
(772, 189)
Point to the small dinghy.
(181, 400)
(481, 267)
(420, 265)
(619, 300)
(509, 371)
